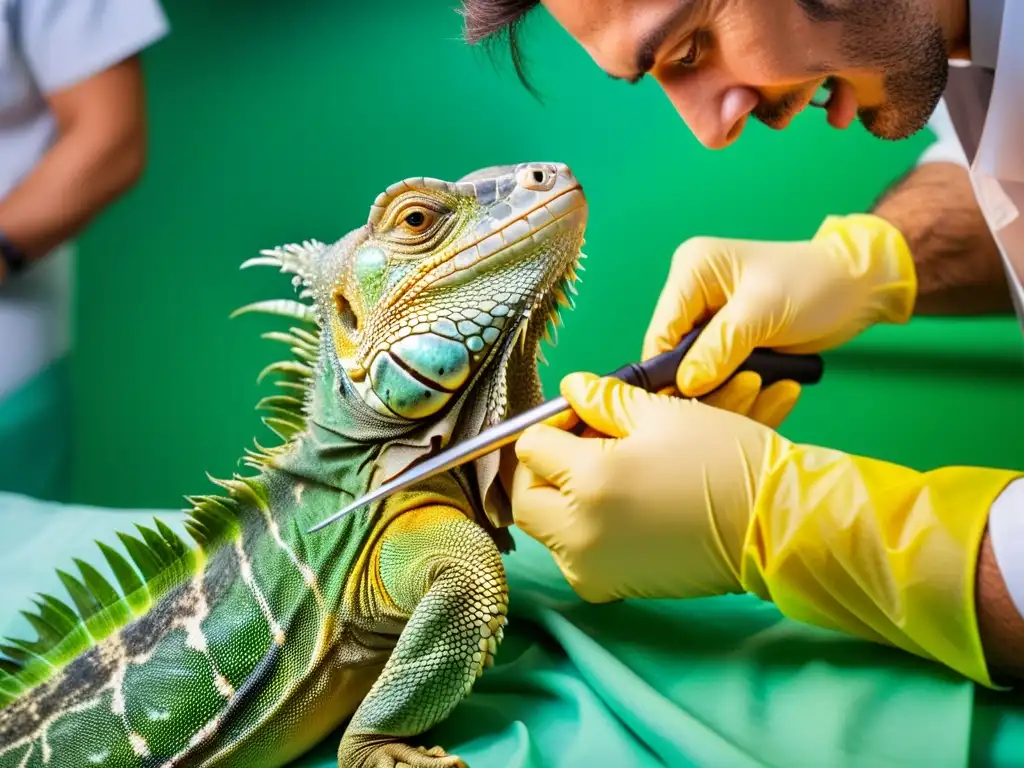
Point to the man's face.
(720, 61)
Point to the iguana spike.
(282, 308)
(24, 655)
(144, 558)
(284, 338)
(299, 347)
(294, 258)
(252, 491)
(294, 385)
(85, 601)
(48, 635)
(285, 403)
(284, 415)
(131, 585)
(178, 547)
(312, 339)
(9, 685)
(199, 532)
(239, 487)
(260, 261)
(286, 406)
(286, 430)
(562, 299)
(105, 595)
(261, 449)
(290, 367)
(162, 553)
(551, 330)
(213, 517)
(101, 589)
(255, 464)
(56, 614)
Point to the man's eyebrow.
(653, 40)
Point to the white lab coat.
(985, 133)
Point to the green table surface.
(714, 682)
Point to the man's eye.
(690, 57)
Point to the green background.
(276, 122)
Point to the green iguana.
(250, 646)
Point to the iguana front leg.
(445, 571)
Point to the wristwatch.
(12, 257)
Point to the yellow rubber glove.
(807, 296)
(684, 500)
(743, 394)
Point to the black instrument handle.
(660, 372)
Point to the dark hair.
(484, 21)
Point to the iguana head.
(443, 277)
(431, 314)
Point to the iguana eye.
(418, 221)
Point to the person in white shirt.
(668, 496)
(72, 141)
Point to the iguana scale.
(252, 643)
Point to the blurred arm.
(959, 269)
(84, 56)
(1000, 585)
(99, 155)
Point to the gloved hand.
(685, 500)
(743, 394)
(790, 296)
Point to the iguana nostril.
(346, 316)
(537, 179)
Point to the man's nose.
(716, 117)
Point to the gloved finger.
(743, 324)
(737, 395)
(565, 421)
(607, 405)
(536, 505)
(775, 403)
(554, 455)
(692, 290)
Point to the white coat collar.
(986, 23)
(1000, 152)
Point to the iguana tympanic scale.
(249, 646)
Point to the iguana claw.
(390, 754)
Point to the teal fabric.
(719, 682)
(36, 436)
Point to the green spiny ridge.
(253, 641)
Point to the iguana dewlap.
(249, 645)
